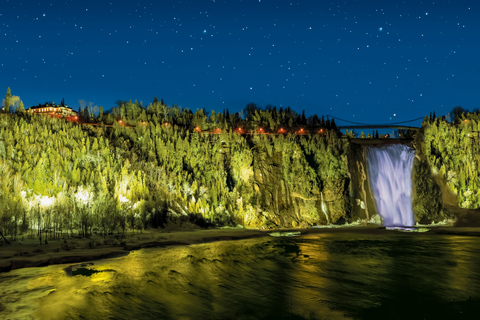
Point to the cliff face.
(433, 200)
(294, 184)
(282, 205)
(363, 200)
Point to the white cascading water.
(390, 173)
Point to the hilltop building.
(50, 108)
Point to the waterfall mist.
(390, 174)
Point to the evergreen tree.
(333, 125)
(21, 107)
(8, 101)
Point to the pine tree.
(8, 101)
(21, 107)
(333, 125)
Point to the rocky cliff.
(300, 182)
(346, 197)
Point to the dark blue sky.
(365, 61)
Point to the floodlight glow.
(45, 201)
(83, 196)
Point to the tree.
(8, 101)
(250, 110)
(21, 107)
(457, 112)
(213, 117)
(333, 125)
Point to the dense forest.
(137, 167)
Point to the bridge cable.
(366, 124)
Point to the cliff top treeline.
(253, 119)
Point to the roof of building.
(50, 105)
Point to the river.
(339, 275)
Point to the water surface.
(340, 275)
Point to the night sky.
(364, 61)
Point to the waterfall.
(390, 173)
(324, 209)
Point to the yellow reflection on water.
(316, 276)
(459, 269)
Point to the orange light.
(465, 120)
(144, 122)
(166, 124)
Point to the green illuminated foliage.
(452, 150)
(70, 178)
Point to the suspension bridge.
(356, 125)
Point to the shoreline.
(29, 253)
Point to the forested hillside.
(137, 167)
(158, 163)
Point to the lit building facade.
(61, 110)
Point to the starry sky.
(366, 61)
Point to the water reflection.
(326, 276)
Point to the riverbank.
(29, 253)
(25, 252)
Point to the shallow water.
(318, 276)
